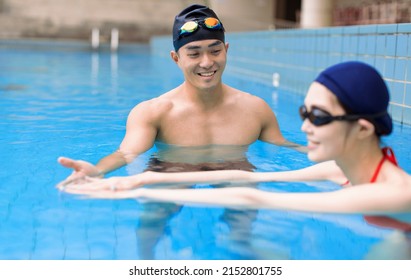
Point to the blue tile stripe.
(297, 55)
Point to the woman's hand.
(115, 183)
(91, 191)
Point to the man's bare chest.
(223, 129)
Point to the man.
(201, 112)
(202, 124)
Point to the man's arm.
(271, 132)
(141, 131)
(295, 146)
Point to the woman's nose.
(306, 126)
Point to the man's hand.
(81, 169)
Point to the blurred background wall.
(138, 20)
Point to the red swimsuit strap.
(388, 154)
(385, 221)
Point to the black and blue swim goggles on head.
(319, 117)
(192, 25)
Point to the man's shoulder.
(245, 97)
(158, 103)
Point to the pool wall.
(291, 59)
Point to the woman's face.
(328, 141)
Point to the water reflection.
(95, 64)
(155, 217)
(114, 72)
(202, 154)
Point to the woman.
(344, 115)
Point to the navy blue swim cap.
(361, 90)
(195, 12)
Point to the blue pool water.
(66, 100)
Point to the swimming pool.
(66, 100)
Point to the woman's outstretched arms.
(368, 198)
(318, 172)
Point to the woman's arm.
(318, 172)
(369, 198)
